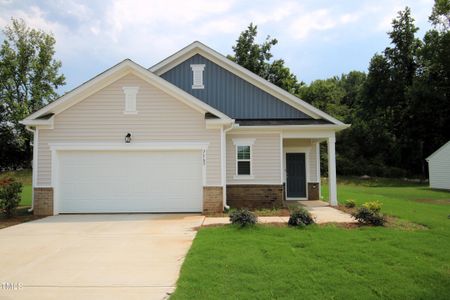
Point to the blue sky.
(317, 39)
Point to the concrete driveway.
(132, 256)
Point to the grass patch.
(25, 177)
(408, 259)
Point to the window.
(130, 99)
(243, 160)
(197, 76)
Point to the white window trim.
(197, 70)
(130, 98)
(243, 142)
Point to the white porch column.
(332, 191)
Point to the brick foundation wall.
(252, 196)
(43, 201)
(313, 190)
(212, 199)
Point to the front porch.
(278, 167)
(301, 169)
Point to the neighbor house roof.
(199, 48)
(107, 77)
(438, 150)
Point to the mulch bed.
(22, 215)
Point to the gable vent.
(130, 99)
(197, 76)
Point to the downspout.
(224, 166)
(34, 169)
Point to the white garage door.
(129, 181)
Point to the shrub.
(10, 193)
(300, 217)
(374, 206)
(350, 203)
(369, 213)
(243, 217)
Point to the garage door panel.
(111, 181)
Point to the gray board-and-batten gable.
(229, 93)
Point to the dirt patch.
(391, 222)
(396, 223)
(434, 201)
(283, 212)
(17, 220)
(346, 209)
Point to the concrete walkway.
(124, 256)
(321, 212)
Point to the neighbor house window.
(244, 156)
(197, 76)
(244, 160)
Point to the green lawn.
(329, 262)
(23, 176)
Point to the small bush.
(369, 213)
(300, 217)
(243, 217)
(10, 194)
(374, 206)
(350, 203)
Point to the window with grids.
(244, 160)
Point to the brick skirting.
(43, 201)
(212, 199)
(255, 196)
(313, 190)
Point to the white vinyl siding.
(265, 159)
(312, 155)
(100, 118)
(439, 168)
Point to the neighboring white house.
(439, 168)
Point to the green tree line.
(399, 109)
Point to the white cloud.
(318, 20)
(105, 32)
(274, 13)
(144, 15)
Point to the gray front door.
(295, 175)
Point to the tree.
(440, 16)
(387, 103)
(29, 78)
(430, 91)
(326, 95)
(258, 59)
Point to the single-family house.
(194, 133)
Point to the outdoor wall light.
(128, 138)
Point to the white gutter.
(224, 163)
(34, 170)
